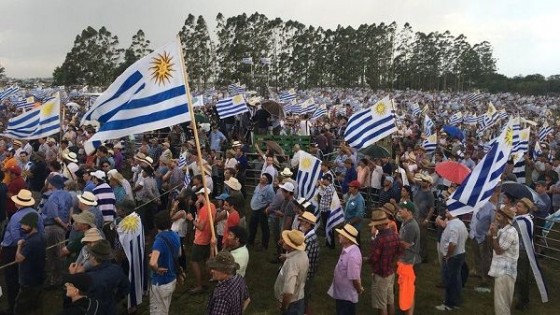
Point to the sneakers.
(444, 307)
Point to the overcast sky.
(35, 35)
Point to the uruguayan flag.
(131, 236)
(370, 125)
(308, 106)
(470, 119)
(502, 114)
(236, 88)
(335, 218)
(489, 118)
(247, 60)
(456, 119)
(9, 91)
(149, 95)
(479, 185)
(430, 144)
(308, 175)
(37, 123)
(320, 112)
(231, 106)
(537, 150)
(415, 109)
(545, 131)
(287, 96)
(428, 125)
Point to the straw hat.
(88, 198)
(389, 208)
(427, 164)
(378, 217)
(294, 238)
(16, 143)
(286, 172)
(308, 217)
(233, 183)
(349, 232)
(507, 212)
(528, 203)
(71, 156)
(411, 157)
(85, 217)
(236, 144)
(139, 156)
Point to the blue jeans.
(453, 280)
(344, 307)
(295, 308)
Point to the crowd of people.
(61, 208)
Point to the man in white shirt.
(235, 243)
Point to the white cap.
(287, 187)
(202, 190)
(99, 174)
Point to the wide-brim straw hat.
(294, 238)
(71, 156)
(24, 198)
(88, 198)
(378, 217)
(308, 217)
(286, 172)
(350, 232)
(233, 183)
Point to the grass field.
(261, 276)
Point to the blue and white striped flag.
(479, 185)
(247, 60)
(149, 95)
(236, 88)
(456, 119)
(415, 109)
(474, 97)
(287, 96)
(537, 150)
(545, 131)
(430, 144)
(182, 160)
(37, 123)
(231, 106)
(470, 119)
(187, 179)
(502, 114)
(131, 236)
(428, 125)
(308, 174)
(9, 91)
(308, 106)
(320, 112)
(335, 218)
(370, 125)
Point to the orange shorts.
(406, 285)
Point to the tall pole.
(198, 151)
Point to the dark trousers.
(295, 308)
(344, 307)
(275, 229)
(11, 275)
(423, 240)
(453, 279)
(524, 274)
(324, 218)
(259, 217)
(29, 300)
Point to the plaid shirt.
(228, 297)
(385, 250)
(312, 250)
(326, 194)
(506, 263)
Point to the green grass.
(261, 276)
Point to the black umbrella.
(517, 190)
(375, 151)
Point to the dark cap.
(30, 219)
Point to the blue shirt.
(483, 218)
(349, 176)
(355, 207)
(216, 138)
(165, 259)
(58, 205)
(89, 186)
(13, 229)
(262, 197)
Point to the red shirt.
(15, 185)
(385, 250)
(203, 237)
(232, 220)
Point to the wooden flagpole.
(214, 247)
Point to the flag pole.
(62, 113)
(198, 151)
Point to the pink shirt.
(348, 268)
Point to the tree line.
(262, 52)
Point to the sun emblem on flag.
(509, 136)
(47, 109)
(162, 68)
(237, 99)
(514, 157)
(305, 163)
(130, 224)
(380, 108)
